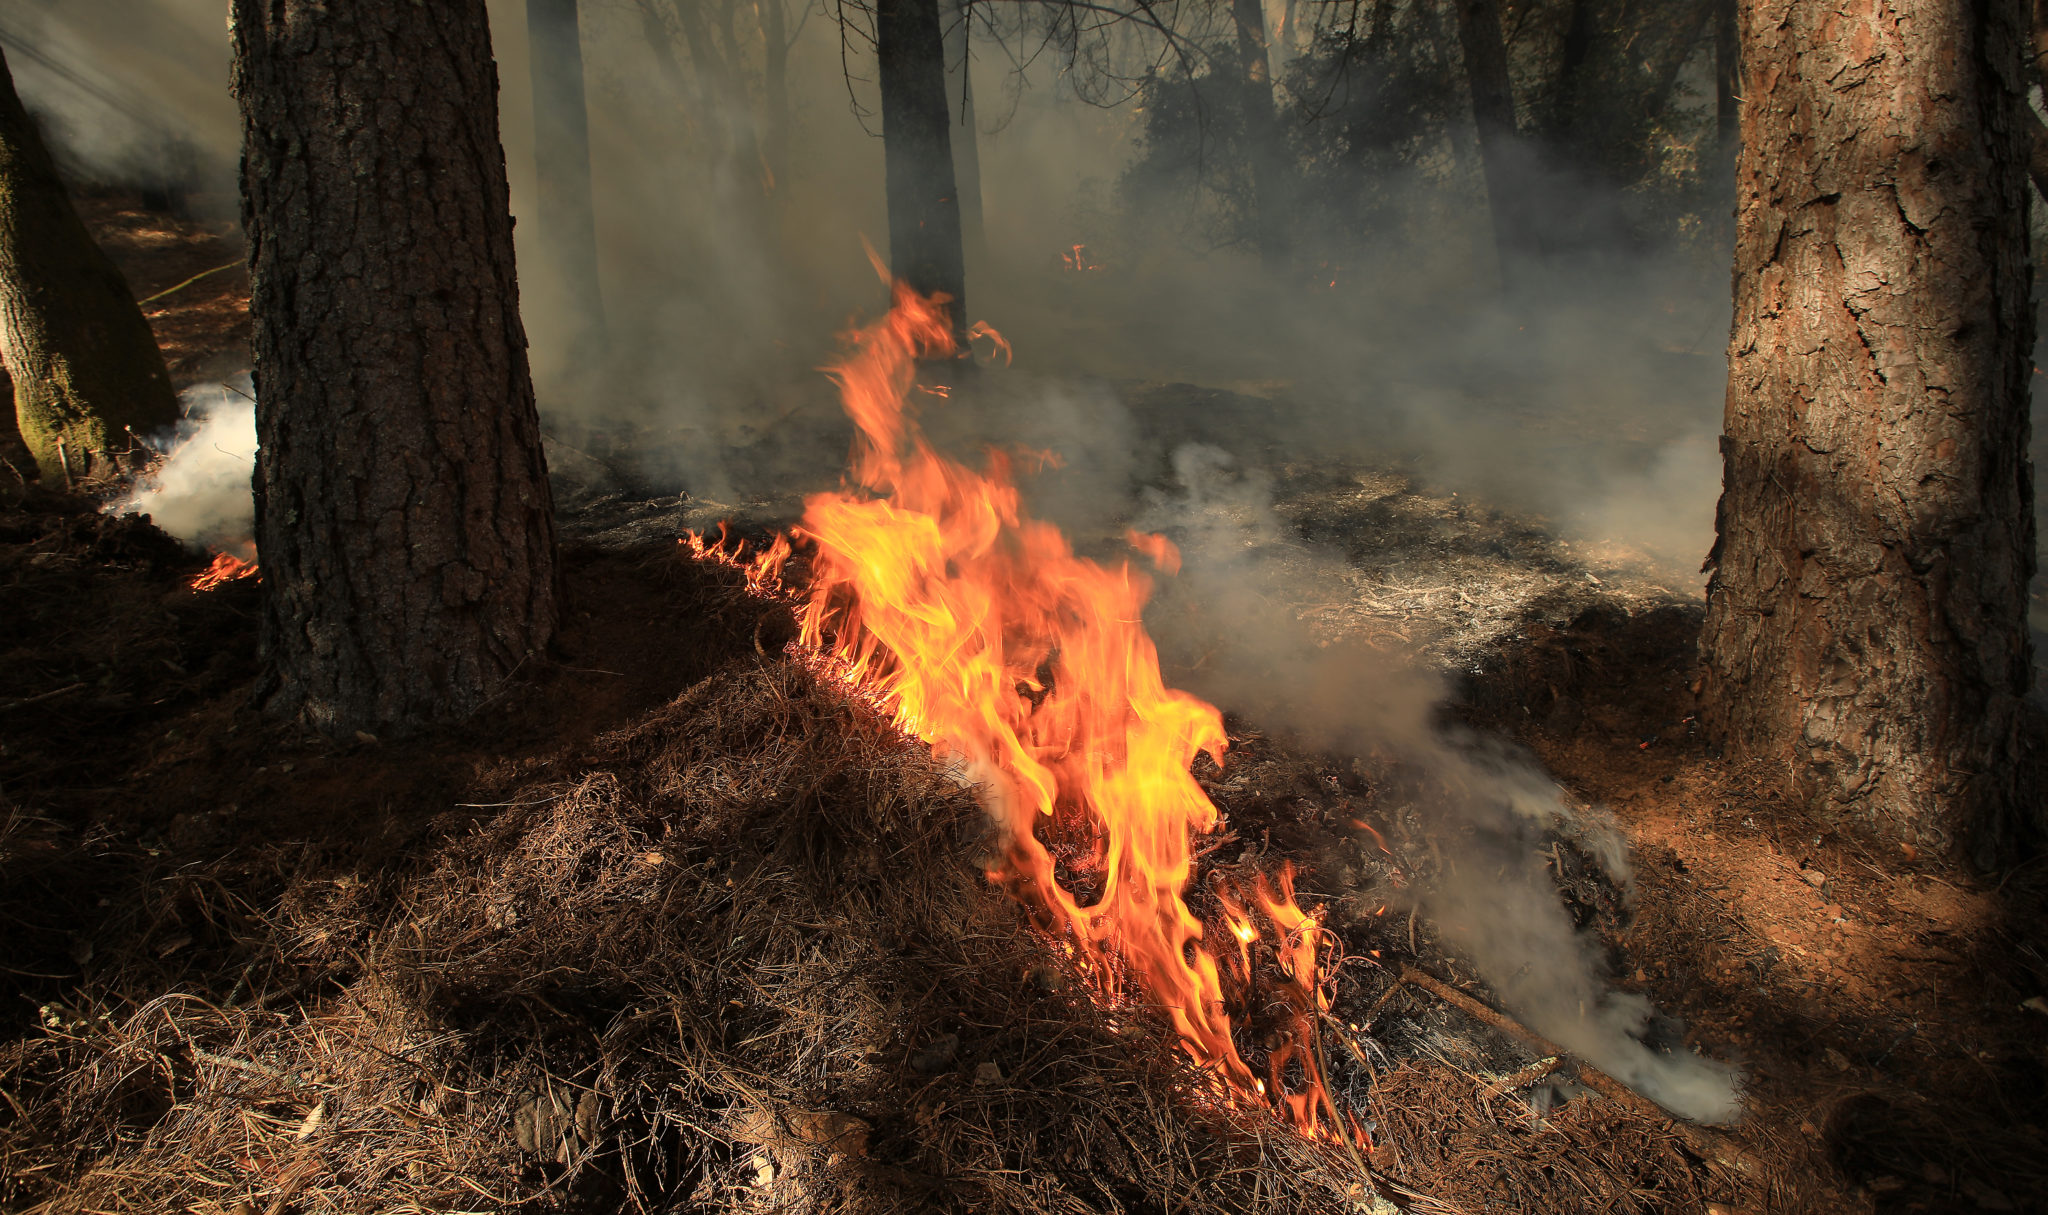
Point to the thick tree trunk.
(924, 203)
(561, 160)
(402, 510)
(1866, 618)
(1503, 158)
(1264, 154)
(966, 152)
(87, 371)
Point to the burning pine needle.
(225, 568)
(931, 592)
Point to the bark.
(924, 205)
(1866, 615)
(402, 510)
(561, 158)
(88, 376)
(966, 153)
(2037, 152)
(1264, 153)
(1504, 160)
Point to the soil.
(672, 926)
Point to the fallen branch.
(1708, 1145)
(40, 697)
(187, 283)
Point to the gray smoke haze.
(1230, 621)
(129, 91)
(1590, 400)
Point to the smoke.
(130, 92)
(1229, 621)
(200, 493)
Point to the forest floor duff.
(674, 925)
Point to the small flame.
(1076, 258)
(226, 568)
(985, 635)
(763, 570)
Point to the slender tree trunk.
(775, 97)
(1727, 80)
(924, 204)
(561, 160)
(1866, 617)
(1266, 158)
(966, 153)
(86, 367)
(1502, 157)
(402, 509)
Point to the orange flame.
(980, 630)
(978, 627)
(763, 570)
(226, 568)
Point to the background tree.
(561, 156)
(87, 372)
(403, 517)
(925, 248)
(958, 17)
(1866, 613)
(1503, 160)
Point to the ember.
(226, 568)
(979, 629)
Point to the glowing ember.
(226, 568)
(978, 627)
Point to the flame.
(1076, 258)
(933, 592)
(763, 570)
(226, 568)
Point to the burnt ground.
(674, 927)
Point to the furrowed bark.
(403, 518)
(924, 204)
(88, 376)
(1866, 619)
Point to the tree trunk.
(966, 153)
(1727, 80)
(775, 98)
(561, 162)
(1866, 617)
(1264, 155)
(88, 375)
(1502, 157)
(924, 204)
(402, 509)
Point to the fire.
(226, 568)
(977, 626)
(1076, 258)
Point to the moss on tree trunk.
(86, 367)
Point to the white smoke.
(201, 493)
(1487, 805)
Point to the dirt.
(248, 969)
